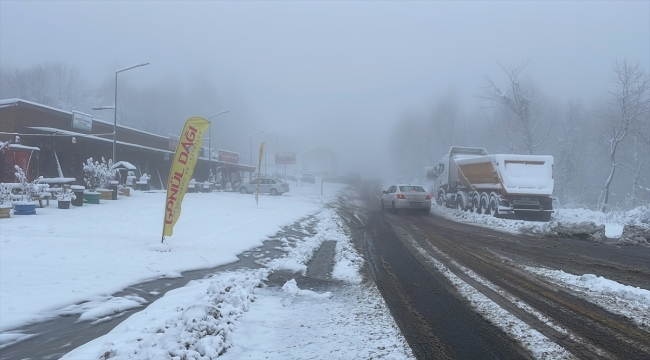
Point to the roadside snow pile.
(636, 230)
(631, 227)
(629, 301)
(102, 308)
(586, 230)
(192, 322)
(291, 290)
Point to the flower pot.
(91, 197)
(126, 191)
(114, 187)
(79, 195)
(64, 204)
(24, 209)
(5, 212)
(105, 194)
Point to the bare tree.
(521, 99)
(410, 146)
(444, 117)
(570, 143)
(636, 158)
(630, 101)
(57, 85)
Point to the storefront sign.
(228, 156)
(82, 121)
(285, 157)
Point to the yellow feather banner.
(180, 174)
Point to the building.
(320, 161)
(55, 143)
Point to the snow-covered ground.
(68, 262)
(564, 221)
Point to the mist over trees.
(160, 108)
(601, 146)
(601, 150)
(57, 85)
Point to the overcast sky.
(344, 69)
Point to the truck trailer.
(498, 184)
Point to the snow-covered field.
(68, 262)
(57, 259)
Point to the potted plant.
(26, 204)
(64, 197)
(6, 196)
(98, 177)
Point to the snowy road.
(460, 291)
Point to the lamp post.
(115, 104)
(273, 133)
(210, 141)
(250, 144)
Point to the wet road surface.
(439, 323)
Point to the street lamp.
(250, 144)
(273, 133)
(210, 141)
(115, 104)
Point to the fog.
(344, 75)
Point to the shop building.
(54, 143)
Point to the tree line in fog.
(601, 146)
(601, 149)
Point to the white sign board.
(82, 121)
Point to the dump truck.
(503, 185)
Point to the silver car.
(267, 185)
(405, 196)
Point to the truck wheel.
(474, 204)
(442, 198)
(494, 206)
(484, 203)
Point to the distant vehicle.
(406, 196)
(309, 178)
(499, 184)
(267, 185)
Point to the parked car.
(406, 196)
(309, 178)
(267, 185)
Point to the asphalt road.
(440, 323)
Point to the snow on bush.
(6, 195)
(29, 190)
(65, 195)
(98, 175)
(184, 325)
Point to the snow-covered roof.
(23, 147)
(57, 180)
(12, 102)
(90, 136)
(127, 165)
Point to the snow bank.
(630, 228)
(191, 322)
